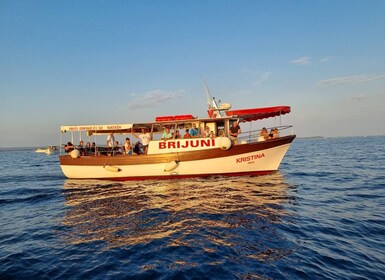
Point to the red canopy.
(248, 115)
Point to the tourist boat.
(181, 158)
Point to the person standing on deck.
(110, 140)
(235, 130)
(146, 138)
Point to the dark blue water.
(321, 217)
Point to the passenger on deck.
(194, 131)
(117, 148)
(206, 133)
(273, 133)
(145, 137)
(235, 130)
(177, 134)
(187, 134)
(110, 140)
(81, 148)
(128, 147)
(263, 135)
(138, 149)
(167, 134)
(93, 147)
(212, 134)
(87, 149)
(69, 147)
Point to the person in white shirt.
(146, 138)
(206, 133)
(110, 140)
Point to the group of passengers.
(189, 133)
(266, 135)
(141, 147)
(84, 150)
(137, 149)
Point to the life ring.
(75, 153)
(224, 143)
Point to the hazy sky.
(101, 62)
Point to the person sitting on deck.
(117, 148)
(177, 135)
(206, 133)
(194, 131)
(69, 147)
(167, 134)
(81, 148)
(87, 149)
(212, 134)
(187, 134)
(138, 149)
(93, 147)
(273, 133)
(128, 147)
(263, 135)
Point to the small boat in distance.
(49, 150)
(214, 154)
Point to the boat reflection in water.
(227, 218)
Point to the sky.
(70, 62)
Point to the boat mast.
(212, 105)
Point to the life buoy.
(75, 153)
(224, 143)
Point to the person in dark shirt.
(235, 130)
(69, 147)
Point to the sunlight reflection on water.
(228, 217)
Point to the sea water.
(322, 216)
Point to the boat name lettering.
(94, 127)
(114, 127)
(81, 128)
(193, 143)
(249, 158)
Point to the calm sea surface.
(322, 216)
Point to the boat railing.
(252, 136)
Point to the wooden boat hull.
(245, 159)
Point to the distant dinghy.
(49, 150)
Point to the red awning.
(248, 115)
